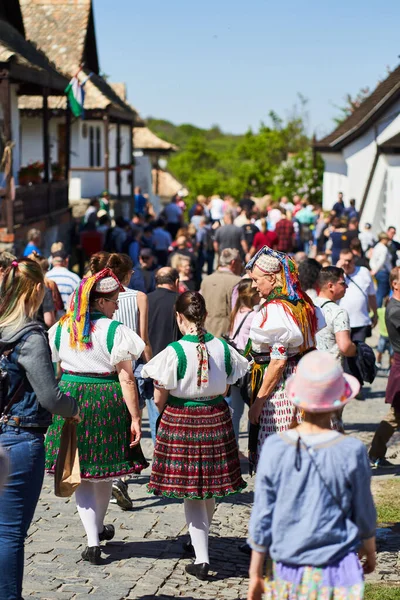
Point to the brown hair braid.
(192, 306)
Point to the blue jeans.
(153, 416)
(236, 403)
(18, 502)
(382, 280)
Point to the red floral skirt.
(196, 454)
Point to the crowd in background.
(154, 264)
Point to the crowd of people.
(195, 315)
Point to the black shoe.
(107, 534)
(92, 554)
(245, 548)
(381, 463)
(200, 571)
(188, 548)
(120, 493)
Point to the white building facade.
(362, 158)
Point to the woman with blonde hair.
(27, 403)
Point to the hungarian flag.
(76, 95)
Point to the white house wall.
(125, 158)
(393, 192)
(359, 157)
(374, 209)
(349, 170)
(335, 179)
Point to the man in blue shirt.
(339, 207)
(140, 201)
(34, 241)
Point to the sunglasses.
(116, 302)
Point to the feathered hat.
(78, 317)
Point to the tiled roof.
(64, 30)
(145, 139)
(59, 28)
(369, 111)
(13, 47)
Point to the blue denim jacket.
(30, 361)
(295, 515)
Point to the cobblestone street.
(146, 560)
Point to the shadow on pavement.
(220, 548)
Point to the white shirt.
(66, 281)
(355, 300)
(279, 329)
(380, 259)
(163, 368)
(106, 352)
(216, 207)
(367, 240)
(337, 319)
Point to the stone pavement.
(145, 560)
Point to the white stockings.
(92, 500)
(198, 515)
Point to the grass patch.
(381, 592)
(387, 499)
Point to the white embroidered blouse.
(175, 368)
(112, 342)
(279, 335)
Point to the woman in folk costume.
(196, 454)
(281, 333)
(96, 356)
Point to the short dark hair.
(60, 254)
(167, 277)
(355, 244)
(308, 273)
(330, 275)
(394, 275)
(345, 251)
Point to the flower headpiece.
(78, 317)
(271, 261)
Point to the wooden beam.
(106, 153)
(118, 152)
(87, 169)
(45, 125)
(5, 102)
(132, 160)
(67, 141)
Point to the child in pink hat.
(313, 509)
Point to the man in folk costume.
(281, 333)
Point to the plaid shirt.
(285, 231)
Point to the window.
(94, 146)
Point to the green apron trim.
(85, 379)
(174, 401)
(182, 360)
(227, 357)
(111, 334)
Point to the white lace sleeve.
(127, 345)
(239, 364)
(163, 369)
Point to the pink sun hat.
(319, 384)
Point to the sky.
(229, 62)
